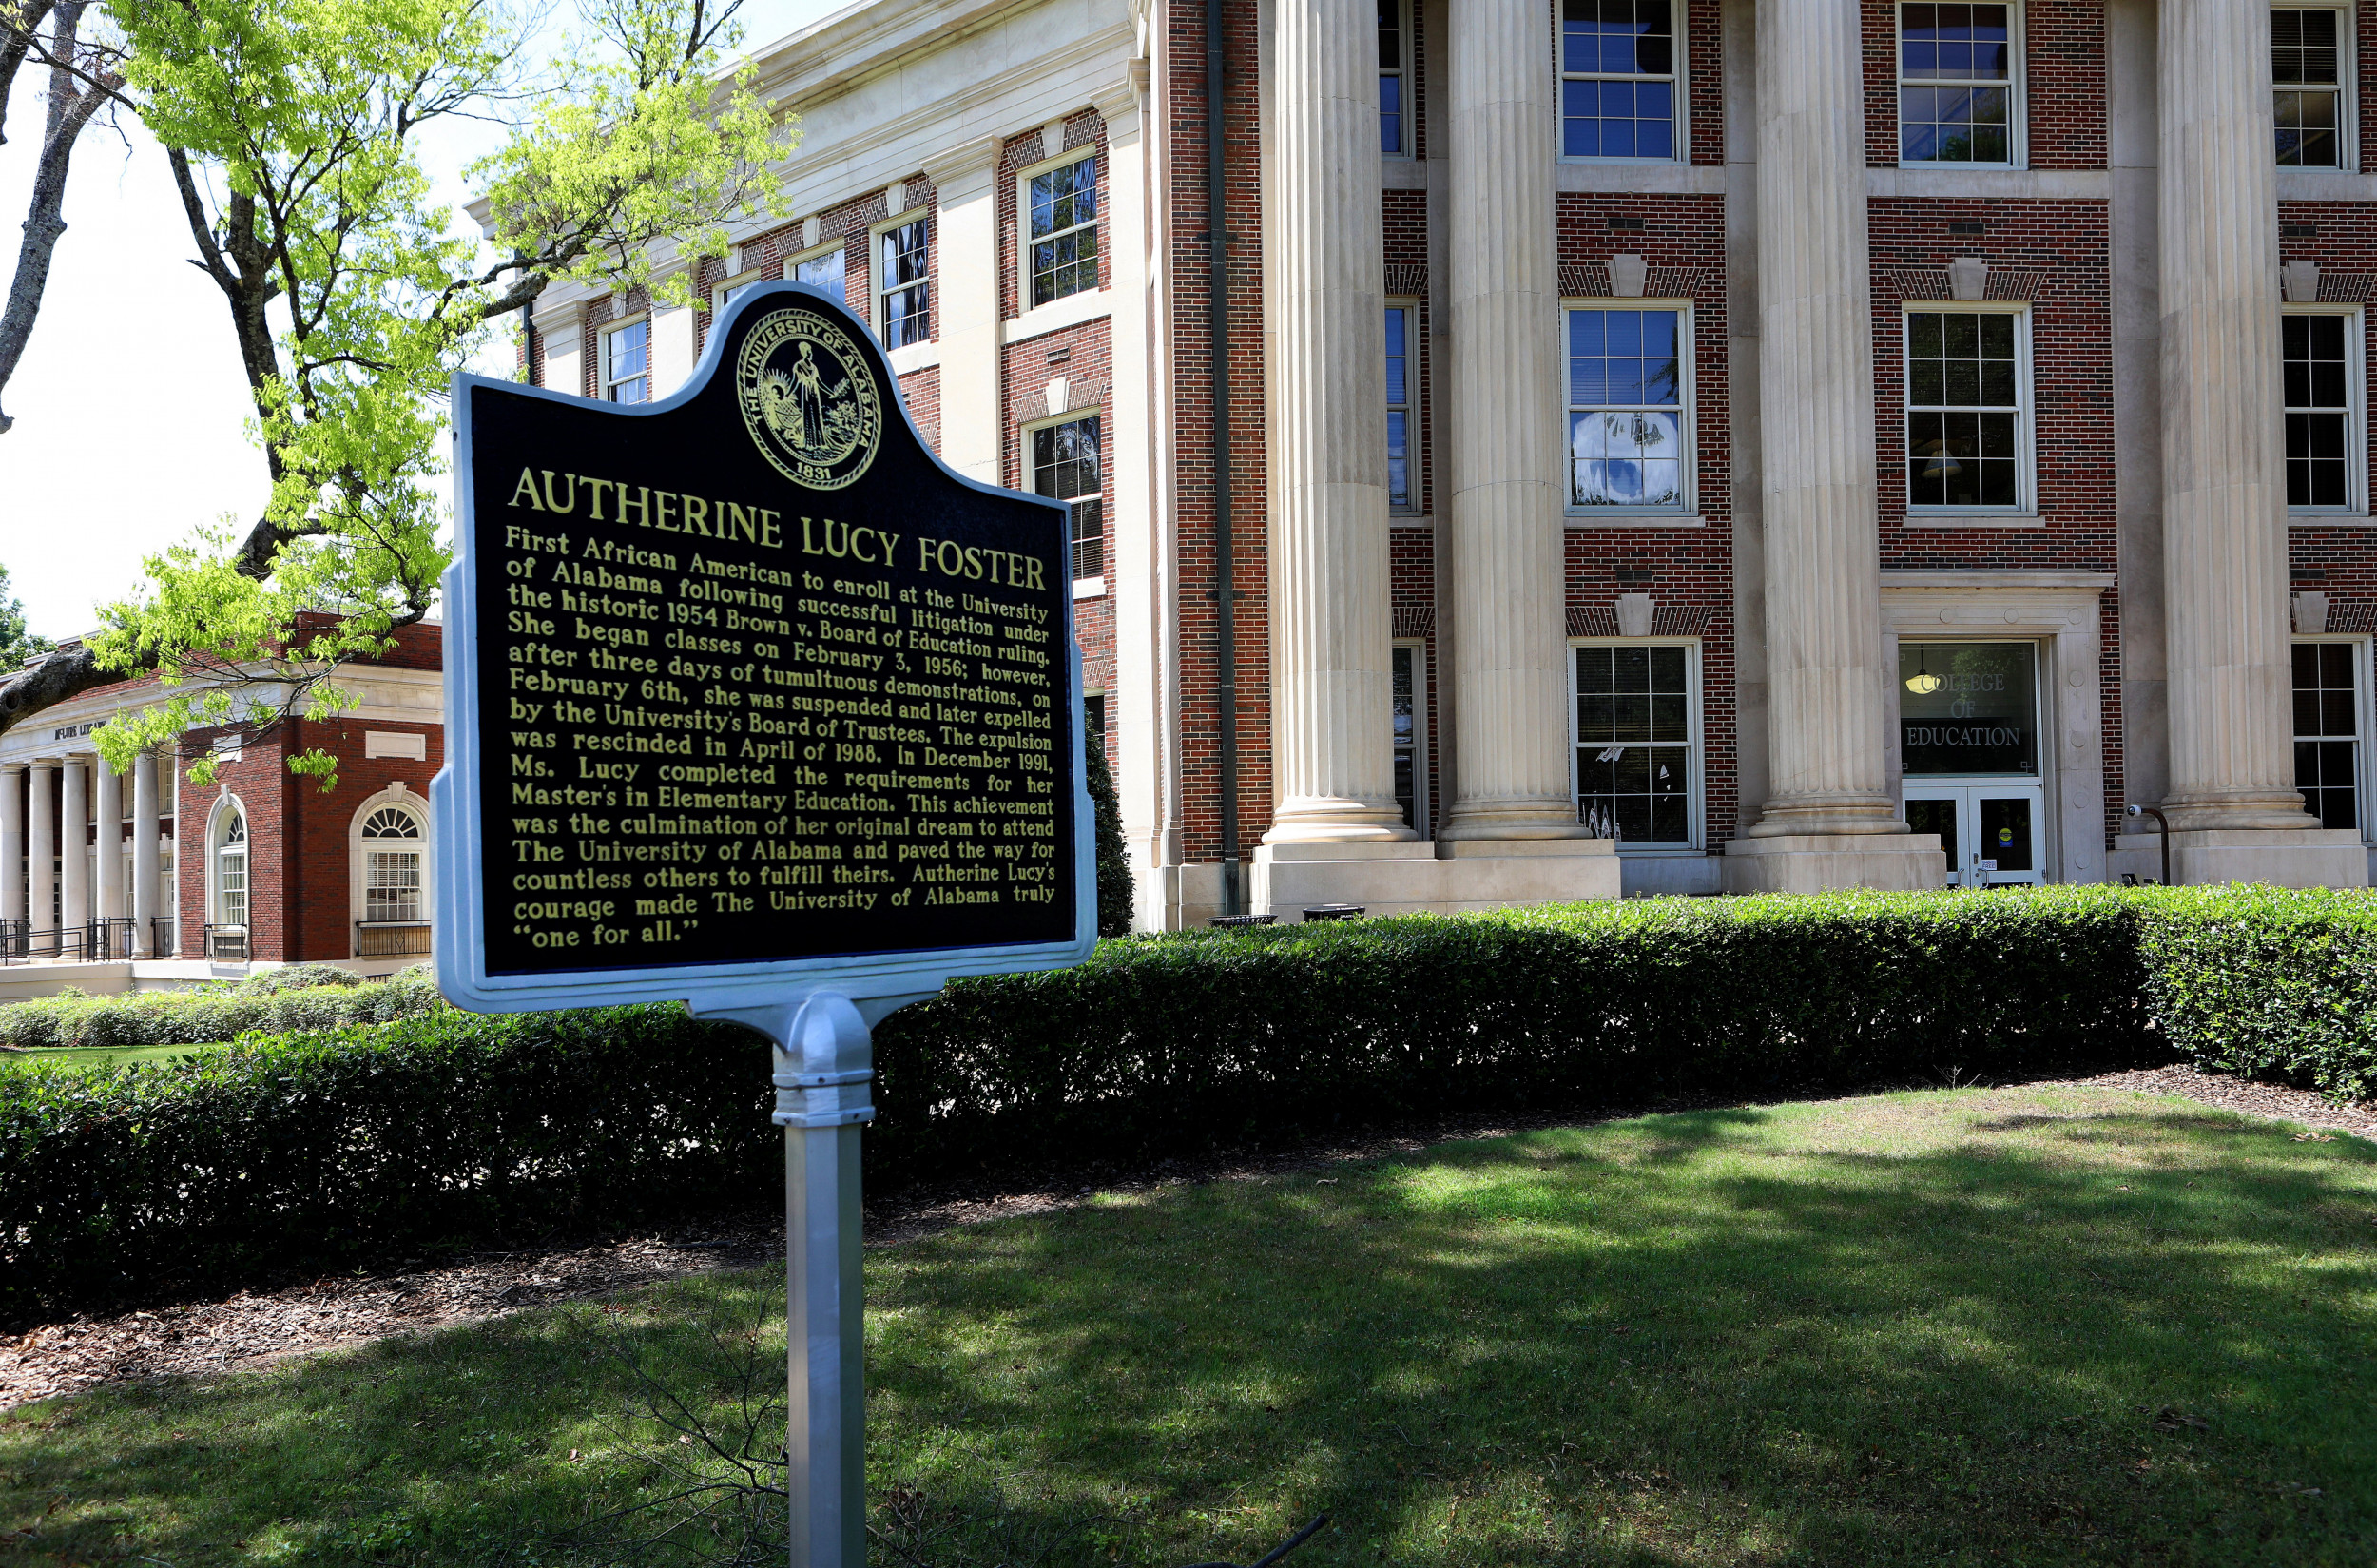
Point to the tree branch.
(61, 676)
(45, 219)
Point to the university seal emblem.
(808, 398)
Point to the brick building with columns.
(153, 878)
(1660, 445)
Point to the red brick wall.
(319, 906)
(1193, 413)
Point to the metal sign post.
(753, 704)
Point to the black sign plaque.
(756, 678)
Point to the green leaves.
(295, 131)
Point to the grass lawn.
(94, 1056)
(2023, 1326)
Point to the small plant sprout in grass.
(2021, 1325)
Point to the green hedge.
(279, 1001)
(278, 1157)
(365, 1146)
(1166, 1043)
(2267, 984)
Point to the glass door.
(1968, 744)
(1990, 832)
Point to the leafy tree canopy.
(294, 132)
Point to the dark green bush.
(364, 1146)
(277, 1001)
(2267, 984)
(312, 1155)
(1167, 1043)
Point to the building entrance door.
(1990, 831)
(1968, 741)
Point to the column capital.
(552, 318)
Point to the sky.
(130, 405)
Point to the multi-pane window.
(1617, 79)
(392, 866)
(1394, 140)
(1626, 427)
(2307, 78)
(1400, 372)
(905, 284)
(1956, 84)
(1635, 741)
(628, 363)
(1965, 409)
(1064, 218)
(2317, 350)
(825, 271)
(231, 873)
(2328, 731)
(1410, 766)
(1065, 467)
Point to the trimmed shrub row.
(275, 1157)
(279, 1002)
(365, 1146)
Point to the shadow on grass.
(1920, 1329)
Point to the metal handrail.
(225, 943)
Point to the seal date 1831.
(808, 398)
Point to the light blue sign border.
(881, 980)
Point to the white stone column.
(74, 845)
(1829, 819)
(41, 838)
(11, 842)
(1509, 445)
(966, 296)
(2232, 797)
(108, 821)
(144, 909)
(1332, 696)
(108, 817)
(674, 341)
(561, 331)
(1136, 566)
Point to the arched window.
(392, 866)
(231, 871)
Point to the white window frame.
(1024, 241)
(2018, 92)
(1419, 646)
(1402, 69)
(1409, 408)
(2348, 104)
(2025, 419)
(2364, 715)
(229, 809)
(2356, 418)
(395, 795)
(604, 381)
(722, 291)
(879, 294)
(1688, 510)
(1695, 808)
(1680, 62)
(817, 253)
(1090, 587)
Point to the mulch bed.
(253, 1329)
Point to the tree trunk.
(71, 106)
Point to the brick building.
(1666, 445)
(1658, 445)
(262, 866)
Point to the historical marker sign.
(746, 688)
